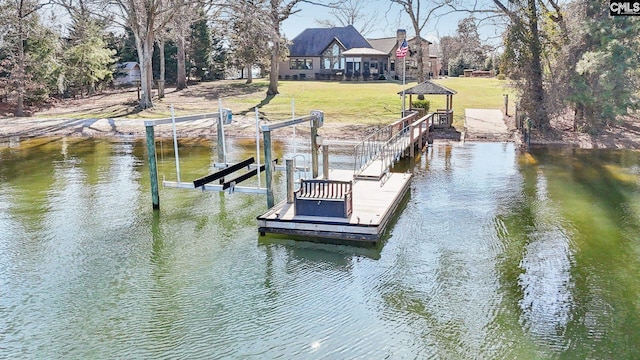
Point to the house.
(126, 73)
(342, 52)
(389, 45)
(332, 53)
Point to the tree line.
(170, 39)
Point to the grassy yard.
(346, 102)
(369, 102)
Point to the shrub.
(501, 77)
(421, 104)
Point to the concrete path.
(486, 124)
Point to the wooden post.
(421, 137)
(314, 150)
(153, 169)
(289, 163)
(268, 167)
(506, 104)
(412, 151)
(325, 162)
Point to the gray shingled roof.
(312, 42)
(385, 45)
(428, 88)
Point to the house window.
(301, 64)
(331, 58)
(392, 66)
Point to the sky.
(390, 18)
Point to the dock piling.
(314, 150)
(325, 162)
(268, 161)
(289, 169)
(153, 168)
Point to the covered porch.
(365, 64)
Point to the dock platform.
(374, 204)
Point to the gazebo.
(443, 117)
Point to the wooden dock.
(375, 194)
(374, 204)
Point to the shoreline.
(619, 137)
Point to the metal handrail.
(374, 145)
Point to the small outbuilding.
(126, 73)
(444, 117)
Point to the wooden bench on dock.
(325, 198)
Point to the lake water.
(494, 256)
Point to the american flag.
(402, 50)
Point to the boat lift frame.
(316, 120)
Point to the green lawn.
(372, 102)
(368, 102)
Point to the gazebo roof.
(428, 88)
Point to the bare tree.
(278, 11)
(248, 34)
(524, 37)
(160, 41)
(352, 12)
(420, 13)
(449, 49)
(145, 18)
(187, 13)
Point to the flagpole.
(404, 76)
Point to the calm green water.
(495, 256)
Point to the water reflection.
(494, 256)
(546, 274)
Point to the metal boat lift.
(315, 119)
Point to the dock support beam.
(325, 162)
(314, 150)
(289, 163)
(153, 169)
(268, 167)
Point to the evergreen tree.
(124, 45)
(219, 56)
(200, 51)
(43, 64)
(29, 51)
(171, 61)
(458, 64)
(87, 59)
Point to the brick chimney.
(401, 34)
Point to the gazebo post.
(450, 109)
